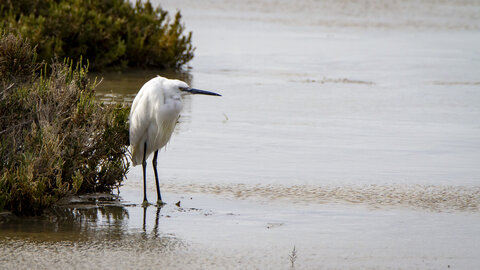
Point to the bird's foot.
(160, 203)
(145, 203)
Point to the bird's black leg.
(144, 165)
(154, 163)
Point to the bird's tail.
(135, 161)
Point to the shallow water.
(348, 129)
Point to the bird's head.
(176, 89)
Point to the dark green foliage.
(109, 33)
(55, 139)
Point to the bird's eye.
(183, 88)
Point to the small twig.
(8, 87)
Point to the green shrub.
(109, 33)
(55, 139)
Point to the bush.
(109, 33)
(55, 139)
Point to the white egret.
(153, 117)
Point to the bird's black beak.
(201, 92)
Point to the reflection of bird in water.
(153, 117)
(155, 228)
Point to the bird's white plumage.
(153, 116)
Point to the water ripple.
(426, 197)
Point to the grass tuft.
(293, 257)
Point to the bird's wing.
(139, 118)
